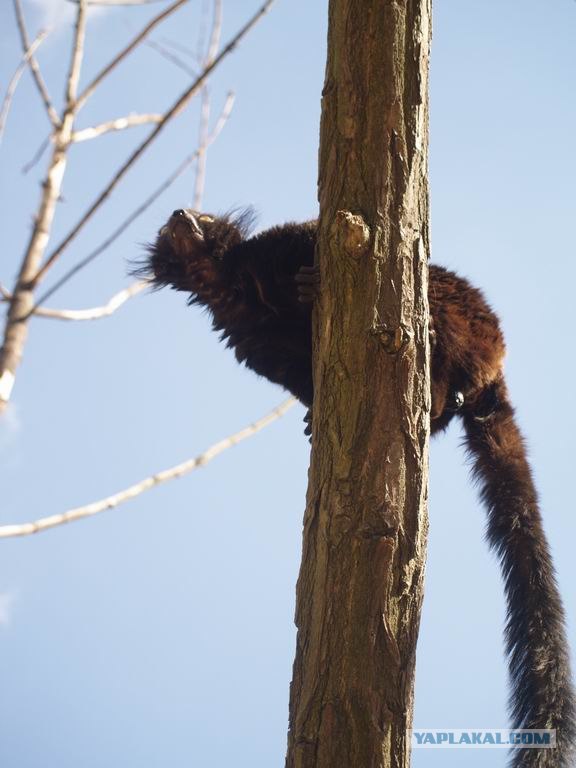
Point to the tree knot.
(351, 233)
(393, 339)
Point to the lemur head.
(191, 247)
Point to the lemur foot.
(307, 284)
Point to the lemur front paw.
(308, 422)
(308, 284)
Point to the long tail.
(541, 695)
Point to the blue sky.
(162, 633)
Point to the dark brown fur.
(249, 285)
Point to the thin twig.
(202, 27)
(224, 115)
(15, 79)
(169, 56)
(91, 87)
(179, 47)
(37, 155)
(94, 313)
(221, 122)
(216, 32)
(119, 124)
(177, 107)
(34, 67)
(77, 56)
(200, 181)
(78, 513)
(85, 134)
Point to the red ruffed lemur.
(259, 291)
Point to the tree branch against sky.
(34, 266)
(158, 478)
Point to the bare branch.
(89, 90)
(94, 313)
(22, 302)
(78, 513)
(221, 122)
(34, 67)
(119, 124)
(85, 134)
(224, 115)
(77, 55)
(200, 56)
(200, 181)
(203, 142)
(15, 79)
(177, 107)
(31, 273)
(216, 32)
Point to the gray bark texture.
(360, 587)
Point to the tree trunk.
(360, 588)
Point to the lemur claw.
(308, 422)
(487, 406)
(307, 283)
(483, 419)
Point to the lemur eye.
(205, 218)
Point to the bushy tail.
(541, 689)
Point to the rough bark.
(360, 588)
